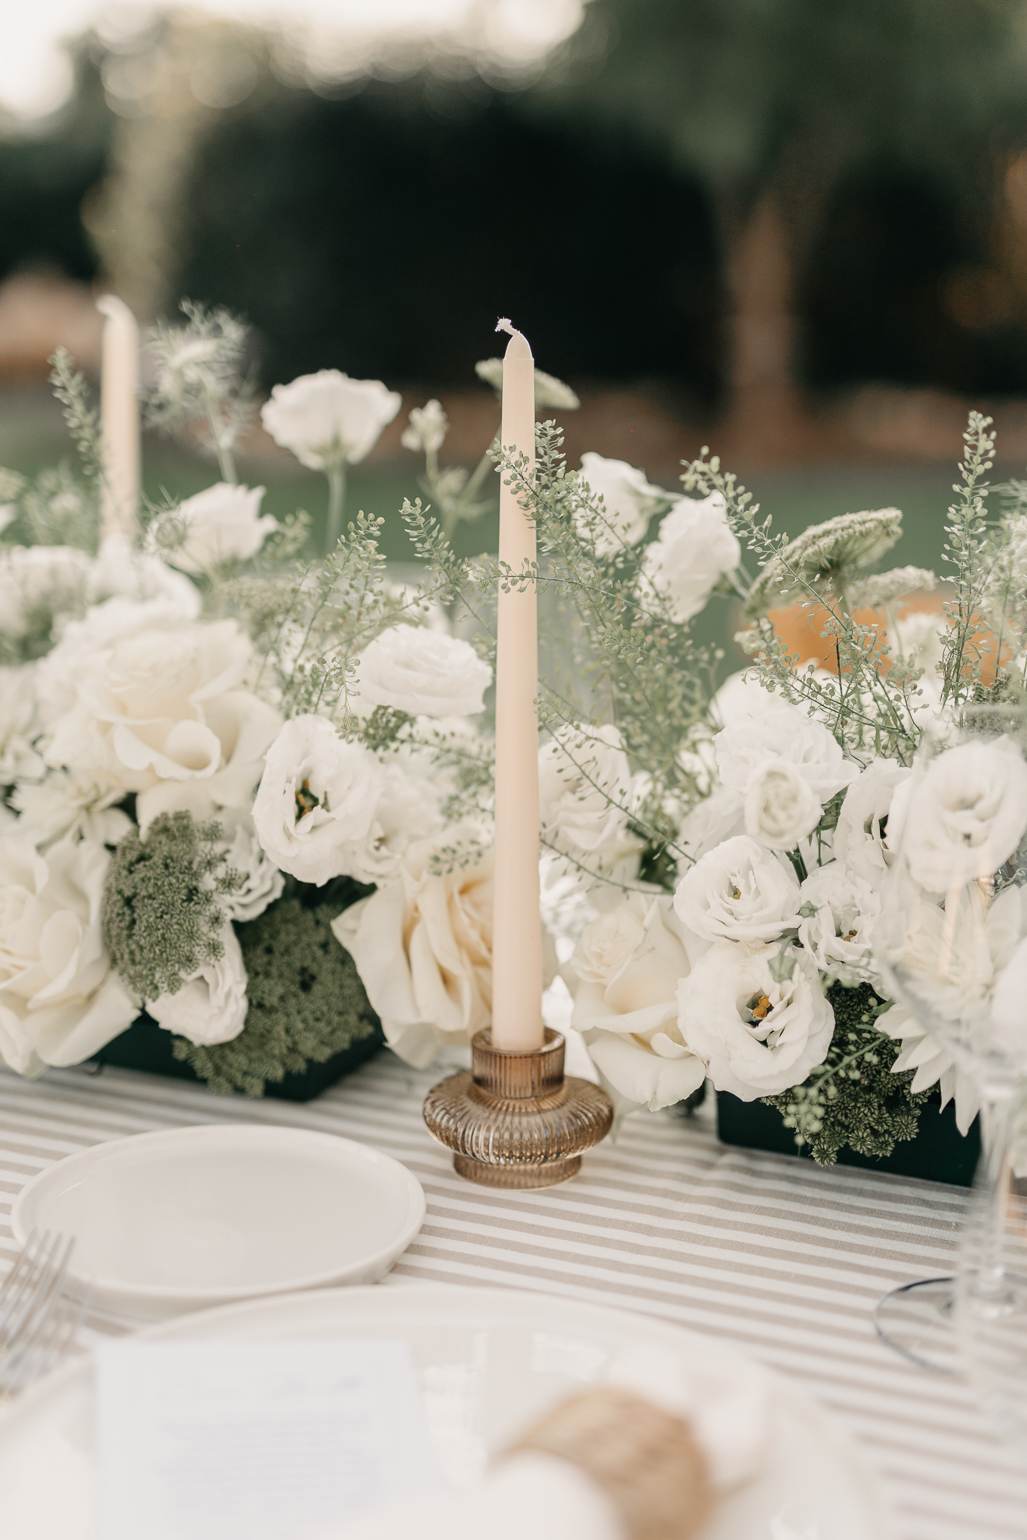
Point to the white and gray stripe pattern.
(775, 1255)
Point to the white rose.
(316, 800)
(693, 550)
(838, 912)
(423, 948)
(18, 726)
(585, 789)
(963, 817)
(262, 882)
(161, 712)
(859, 836)
(60, 1001)
(221, 524)
(628, 499)
(211, 1005)
(327, 419)
(758, 1036)
(924, 1053)
(781, 807)
(422, 672)
(67, 804)
(784, 732)
(737, 892)
(628, 964)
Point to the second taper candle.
(516, 921)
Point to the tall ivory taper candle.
(119, 418)
(516, 923)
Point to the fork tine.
(35, 1290)
(47, 1297)
(45, 1319)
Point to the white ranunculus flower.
(66, 804)
(629, 500)
(585, 789)
(838, 912)
(18, 726)
(162, 712)
(60, 1000)
(963, 817)
(780, 807)
(422, 672)
(262, 882)
(211, 1005)
(221, 524)
(693, 550)
(924, 1053)
(327, 419)
(758, 1036)
(316, 801)
(627, 964)
(784, 732)
(738, 892)
(423, 948)
(859, 835)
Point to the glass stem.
(996, 1119)
(336, 504)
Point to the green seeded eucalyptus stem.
(336, 503)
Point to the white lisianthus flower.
(584, 789)
(963, 817)
(427, 429)
(924, 1053)
(717, 818)
(859, 835)
(784, 732)
(738, 892)
(407, 811)
(120, 571)
(262, 882)
(60, 1000)
(211, 1005)
(316, 800)
(741, 697)
(221, 524)
(757, 1035)
(327, 419)
(627, 964)
(39, 585)
(67, 804)
(838, 912)
(422, 945)
(162, 712)
(780, 807)
(19, 757)
(693, 550)
(422, 672)
(628, 498)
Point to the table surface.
(775, 1255)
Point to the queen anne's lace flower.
(827, 553)
(885, 587)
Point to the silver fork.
(37, 1320)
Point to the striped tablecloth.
(781, 1258)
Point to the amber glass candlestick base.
(515, 1119)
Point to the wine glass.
(991, 1296)
(950, 944)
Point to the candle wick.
(504, 324)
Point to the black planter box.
(939, 1153)
(146, 1046)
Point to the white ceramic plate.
(195, 1217)
(488, 1360)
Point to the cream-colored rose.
(780, 806)
(627, 965)
(423, 948)
(327, 419)
(162, 712)
(60, 1001)
(211, 1005)
(738, 892)
(758, 1034)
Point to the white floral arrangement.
(252, 793)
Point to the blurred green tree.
(776, 101)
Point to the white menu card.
(256, 1440)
